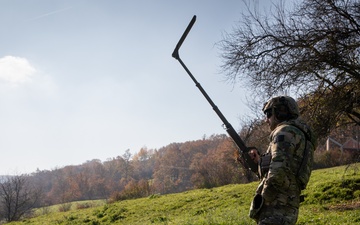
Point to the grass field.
(332, 197)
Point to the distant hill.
(332, 197)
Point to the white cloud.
(15, 70)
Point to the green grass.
(332, 197)
(69, 206)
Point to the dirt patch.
(345, 206)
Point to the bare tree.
(313, 49)
(17, 197)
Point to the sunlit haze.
(83, 80)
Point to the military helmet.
(277, 102)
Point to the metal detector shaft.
(247, 162)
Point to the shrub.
(133, 189)
(65, 207)
(332, 158)
(83, 205)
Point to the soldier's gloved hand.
(256, 205)
(254, 155)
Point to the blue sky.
(83, 80)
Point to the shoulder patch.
(279, 138)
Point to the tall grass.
(332, 197)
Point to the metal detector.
(246, 161)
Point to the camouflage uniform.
(277, 197)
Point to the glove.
(256, 205)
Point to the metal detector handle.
(248, 163)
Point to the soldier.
(285, 168)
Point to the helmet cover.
(287, 101)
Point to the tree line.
(177, 167)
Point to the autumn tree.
(126, 167)
(114, 174)
(167, 168)
(312, 49)
(143, 164)
(91, 180)
(217, 167)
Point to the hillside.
(332, 197)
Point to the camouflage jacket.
(290, 164)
